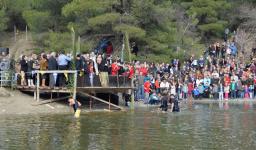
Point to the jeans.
(140, 92)
(61, 77)
(233, 94)
(241, 94)
(91, 77)
(221, 96)
(146, 99)
(53, 79)
(185, 95)
(252, 95)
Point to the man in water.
(74, 103)
(174, 103)
(164, 102)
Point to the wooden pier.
(88, 91)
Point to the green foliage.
(134, 32)
(211, 15)
(53, 41)
(159, 27)
(3, 20)
(37, 21)
(103, 19)
(87, 46)
(214, 28)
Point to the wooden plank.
(75, 85)
(50, 101)
(101, 100)
(56, 71)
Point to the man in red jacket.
(143, 69)
(147, 90)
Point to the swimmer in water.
(74, 103)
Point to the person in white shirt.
(164, 84)
(173, 89)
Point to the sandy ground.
(15, 102)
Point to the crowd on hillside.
(218, 74)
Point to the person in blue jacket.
(233, 49)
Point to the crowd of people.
(88, 67)
(218, 74)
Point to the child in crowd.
(246, 91)
(233, 89)
(251, 91)
(226, 91)
(185, 91)
(221, 91)
(196, 93)
(190, 89)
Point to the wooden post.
(35, 94)
(78, 48)
(37, 86)
(132, 94)
(75, 85)
(127, 44)
(73, 36)
(26, 32)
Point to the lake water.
(199, 126)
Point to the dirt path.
(18, 47)
(18, 103)
(21, 46)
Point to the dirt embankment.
(15, 102)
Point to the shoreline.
(18, 103)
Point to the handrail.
(6, 81)
(55, 71)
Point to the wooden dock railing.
(38, 72)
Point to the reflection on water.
(198, 126)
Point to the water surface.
(199, 126)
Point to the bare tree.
(247, 13)
(245, 40)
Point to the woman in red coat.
(114, 68)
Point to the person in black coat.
(52, 65)
(23, 69)
(79, 64)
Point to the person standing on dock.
(29, 71)
(23, 70)
(52, 65)
(79, 68)
(43, 67)
(63, 61)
